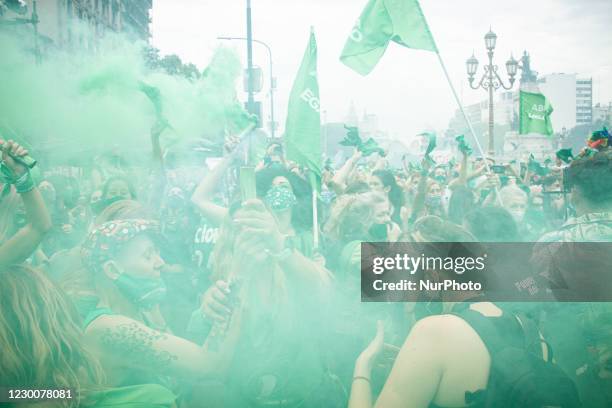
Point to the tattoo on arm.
(131, 340)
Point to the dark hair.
(434, 229)
(301, 214)
(592, 176)
(279, 149)
(492, 224)
(396, 195)
(461, 202)
(111, 180)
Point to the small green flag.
(367, 147)
(565, 155)
(536, 167)
(303, 126)
(464, 147)
(431, 145)
(535, 113)
(382, 21)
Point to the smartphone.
(248, 190)
(498, 169)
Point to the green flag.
(565, 155)
(464, 147)
(535, 113)
(381, 21)
(431, 145)
(303, 127)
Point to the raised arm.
(463, 178)
(21, 245)
(414, 378)
(202, 195)
(338, 182)
(159, 171)
(419, 199)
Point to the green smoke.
(93, 100)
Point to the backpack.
(519, 375)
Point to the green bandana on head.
(280, 198)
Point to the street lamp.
(272, 80)
(490, 80)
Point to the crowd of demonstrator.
(168, 289)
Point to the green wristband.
(25, 183)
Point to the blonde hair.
(352, 215)
(40, 337)
(122, 210)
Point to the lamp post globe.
(490, 40)
(471, 65)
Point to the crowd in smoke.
(169, 282)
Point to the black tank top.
(508, 324)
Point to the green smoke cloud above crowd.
(84, 99)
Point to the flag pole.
(467, 120)
(315, 211)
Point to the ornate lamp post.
(490, 80)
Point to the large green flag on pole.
(534, 114)
(382, 21)
(303, 127)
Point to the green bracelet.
(6, 174)
(24, 183)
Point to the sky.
(407, 90)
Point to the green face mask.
(280, 198)
(144, 292)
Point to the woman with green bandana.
(124, 326)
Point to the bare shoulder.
(445, 331)
(439, 324)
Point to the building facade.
(571, 98)
(80, 23)
(602, 113)
(584, 101)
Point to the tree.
(171, 64)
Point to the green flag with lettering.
(382, 21)
(534, 114)
(303, 126)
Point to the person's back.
(458, 359)
(466, 360)
(444, 362)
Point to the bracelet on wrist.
(24, 183)
(359, 377)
